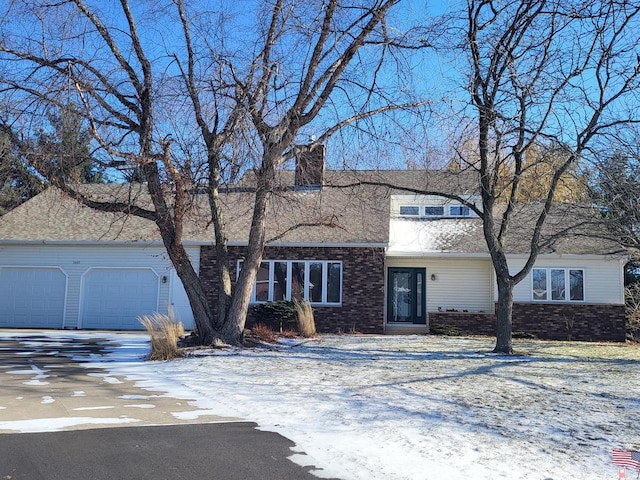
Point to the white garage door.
(113, 298)
(32, 297)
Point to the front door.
(406, 295)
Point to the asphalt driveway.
(62, 418)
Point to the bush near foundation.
(279, 316)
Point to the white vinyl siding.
(460, 283)
(603, 281)
(76, 260)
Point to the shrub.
(306, 322)
(523, 335)
(632, 310)
(264, 333)
(164, 332)
(278, 315)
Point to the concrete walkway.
(44, 387)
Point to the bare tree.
(263, 87)
(303, 57)
(556, 73)
(549, 83)
(102, 58)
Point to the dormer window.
(434, 211)
(410, 210)
(459, 211)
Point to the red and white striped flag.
(626, 458)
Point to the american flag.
(626, 458)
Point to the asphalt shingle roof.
(358, 215)
(54, 217)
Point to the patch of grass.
(306, 321)
(164, 332)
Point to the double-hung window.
(558, 284)
(318, 281)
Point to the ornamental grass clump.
(164, 332)
(306, 322)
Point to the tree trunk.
(202, 313)
(503, 316)
(170, 229)
(222, 252)
(233, 327)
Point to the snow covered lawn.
(423, 407)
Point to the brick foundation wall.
(549, 321)
(472, 323)
(362, 308)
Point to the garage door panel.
(32, 297)
(114, 298)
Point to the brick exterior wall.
(471, 323)
(362, 308)
(549, 321)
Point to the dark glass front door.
(406, 295)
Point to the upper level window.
(431, 211)
(558, 284)
(410, 210)
(434, 211)
(319, 282)
(459, 211)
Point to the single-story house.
(383, 260)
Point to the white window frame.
(306, 287)
(567, 282)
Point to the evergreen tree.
(64, 152)
(18, 182)
(616, 190)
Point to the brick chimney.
(310, 169)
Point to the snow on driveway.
(419, 407)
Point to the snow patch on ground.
(413, 407)
(425, 407)
(59, 424)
